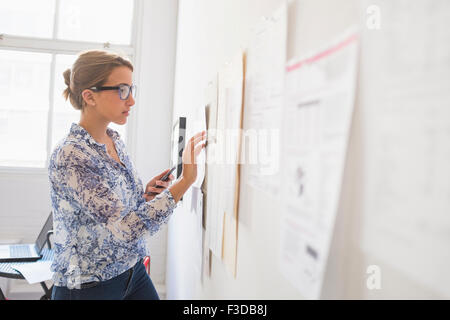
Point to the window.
(38, 41)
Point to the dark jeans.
(133, 284)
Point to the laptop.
(27, 252)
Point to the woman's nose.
(130, 100)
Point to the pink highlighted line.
(323, 54)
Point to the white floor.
(22, 290)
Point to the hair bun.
(67, 74)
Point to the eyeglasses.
(124, 90)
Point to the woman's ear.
(88, 97)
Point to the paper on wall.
(264, 85)
(320, 91)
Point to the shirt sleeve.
(80, 181)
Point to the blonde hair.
(91, 69)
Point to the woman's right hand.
(189, 158)
(190, 154)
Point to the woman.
(102, 215)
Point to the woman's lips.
(126, 113)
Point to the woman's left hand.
(151, 186)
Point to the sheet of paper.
(264, 85)
(35, 272)
(211, 125)
(198, 124)
(214, 226)
(223, 156)
(231, 80)
(320, 91)
(229, 253)
(229, 124)
(212, 223)
(209, 180)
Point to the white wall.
(24, 206)
(209, 33)
(153, 119)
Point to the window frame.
(55, 46)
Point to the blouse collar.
(81, 133)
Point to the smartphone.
(164, 178)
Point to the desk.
(6, 271)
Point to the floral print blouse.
(101, 220)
